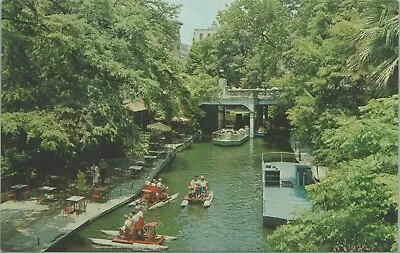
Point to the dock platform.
(284, 193)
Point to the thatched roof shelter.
(158, 126)
(136, 107)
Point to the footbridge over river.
(256, 101)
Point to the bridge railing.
(229, 93)
(250, 93)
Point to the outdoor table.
(135, 168)
(43, 191)
(18, 190)
(154, 145)
(153, 152)
(150, 157)
(141, 162)
(78, 203)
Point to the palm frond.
(384, 71)
(376, 46)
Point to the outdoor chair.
(12, 195)
(96, 196)
(68, 210)
(26, 194)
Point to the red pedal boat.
(139, 236)
(153, 197)
(205, 199)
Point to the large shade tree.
(67, 68)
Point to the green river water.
(232, 223)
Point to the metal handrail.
(250, 93)
(281, 155)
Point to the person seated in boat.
(163, 189)
(193, 186)
(148, 181)
(136, 214)
(203, 186)
(154, 182)
(130, 223)
(126, 226)
(161, 185)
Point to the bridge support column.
(223, 116)
(251, 124)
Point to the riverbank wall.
(28, 226)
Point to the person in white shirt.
(148, 182)
(159, 184)
(127, 225)
(137, 213)
(203, 186)
(154, 182)
(193, 185)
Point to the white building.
(200, 34)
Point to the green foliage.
(356, 137)
(202, 58)
(302, 115)
(355, 208)
(377, 46)
(67, 68)
(203, 87)
(80, 181)
(247, 47)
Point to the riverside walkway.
(28, 226)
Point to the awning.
(158, 126)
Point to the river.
(232, 223)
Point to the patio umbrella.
(180, 119)
(158, 126)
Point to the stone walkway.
(28, 226)
(319, 172)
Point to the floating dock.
(284, 193)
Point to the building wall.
(183, 50)
(200, 34)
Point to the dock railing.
(278, 157)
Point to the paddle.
(184, 203)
